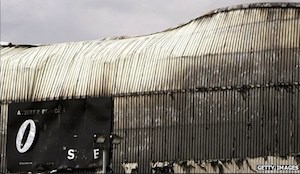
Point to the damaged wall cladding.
(223, 86)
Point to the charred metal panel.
(224, 86)
(212, 125)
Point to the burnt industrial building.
(217, 94)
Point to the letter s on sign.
(30, 139)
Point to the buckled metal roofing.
(203, 70)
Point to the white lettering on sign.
(22, 148)
(71, 154)
(96, 153)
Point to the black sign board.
(49, 135)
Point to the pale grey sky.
(55, 21)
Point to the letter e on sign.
(22, 148)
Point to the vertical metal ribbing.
(3, 137)
(265, 114)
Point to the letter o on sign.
(30, 139)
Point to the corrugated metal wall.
(223, 86)
(211, 125)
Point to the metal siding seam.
(201, 52)
(116, 121)
(78, 69)
(237, 47)
(154, 68)
(119, 75)
(146, 132)
(219, 79)
(167, 49)
(192, 45)
(242, 135)
(242, 80)
(87, 55)
(116, 63)
(204, 123)
(254, 54)
(46, 78)
(161, 126)
(4, 64)
(159, 145)
(134, 65)
(171, 72)
(130, 60)
(2, 80)
(40, 74)
(179, 127)
(106, 82)
(138, 73)
(59, 77)
(92, 81)
(127, 134)
(227, 125)
(196, 130)
(251, 125)
(270, 94)
(282, 66)
(136, 127)
(189, 127)
(2, 136)
(168, 61)
(147, 71)
(92, 75)
(207, 126)
(185, 116)
(168, 127)
(201, 58)
(192, 123)
(187, 35)
(4, 116)
(52, 79)
(296, 51)
(259, 53)
(297, 120)
(27, 79)
(214, 124)
(212, 48)
(8, 86)
(144, 67)
(69, 52)
(81, 79)
(150, 71)
(16, 87)
(253, 58)
(149, 112)
(291, 95)
(59, 62)
(295, 114)
(154, 129)
(220, 122)
(296, 30)
(124, 105)
(229, 57)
